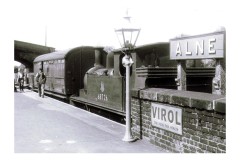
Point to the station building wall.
(203, 120)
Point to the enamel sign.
(167, 118)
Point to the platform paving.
(46, 125)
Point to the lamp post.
(127, 37)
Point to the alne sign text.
(210, 45)
(166, 117)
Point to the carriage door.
(46, 72)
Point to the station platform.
(46, 125)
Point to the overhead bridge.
(25, 52)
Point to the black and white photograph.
(111, 79)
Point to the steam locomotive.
(92, 76)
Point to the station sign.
(166, 117)
(204, 46)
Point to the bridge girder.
(25, 52)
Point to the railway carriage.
(65, 70)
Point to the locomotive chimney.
(97, 57)
(110, 60)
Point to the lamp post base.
(128, 138)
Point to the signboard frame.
(204, 46)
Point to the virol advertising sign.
(167, 118)
(210, 45)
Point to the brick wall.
(203, 120)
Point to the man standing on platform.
(20, 79)
(41, 80)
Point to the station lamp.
(127, 36)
